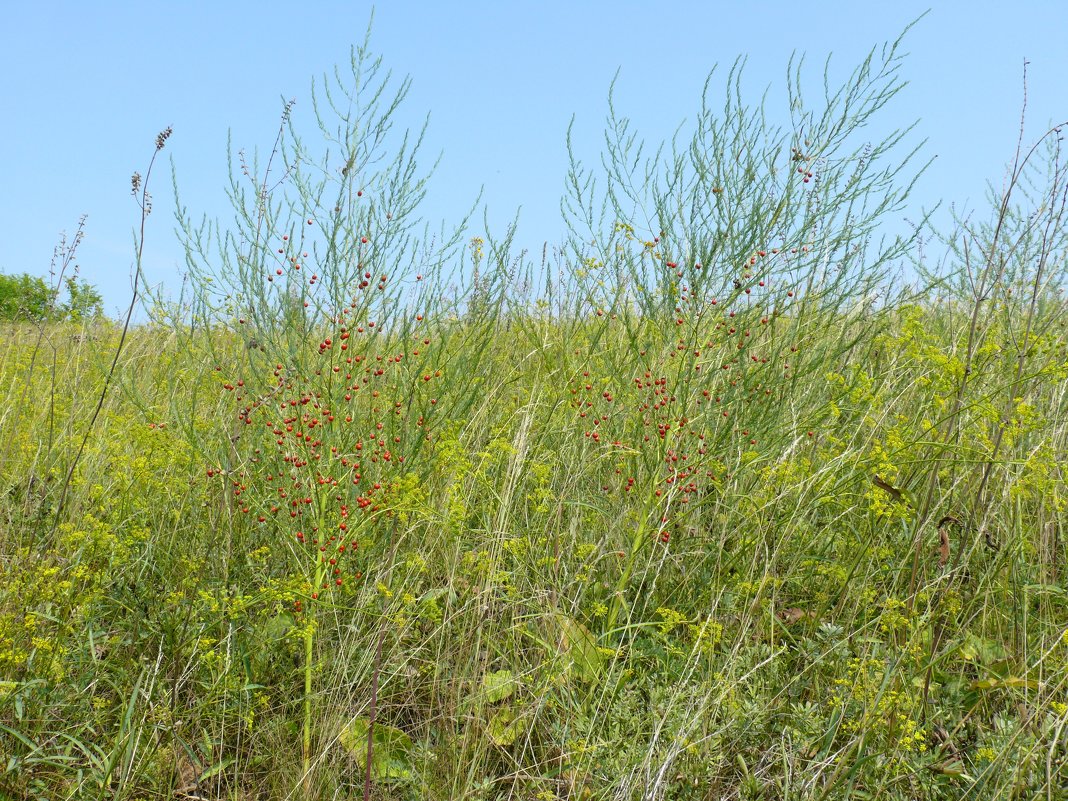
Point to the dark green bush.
(28, 297)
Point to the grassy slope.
(733, 603)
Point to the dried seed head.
(135, 183)
(287, 109)
(162, 137)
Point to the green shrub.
(24, 297)
(28, 297)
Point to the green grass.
(616, 526)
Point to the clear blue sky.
(87, 86)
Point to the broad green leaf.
(216, 769)
(390, 753)
(275, 628)
(586, 661)
(1010, 681)
(498, 686)
(1020, 681)
(954, 769)
(980, 649)
(505, 726)
(1053, 589)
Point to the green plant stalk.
(621, 586)
(309, 642)
(641, 533)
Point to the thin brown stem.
(146, 207)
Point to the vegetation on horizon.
(722, 498)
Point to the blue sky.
(87, 86)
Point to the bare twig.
(145, 203)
